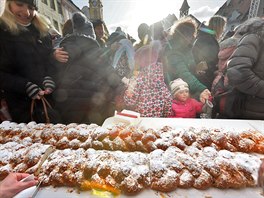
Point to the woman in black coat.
(25, 51)
(246, 72)
(206, 48)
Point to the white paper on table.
(27, 193)
(120, 119)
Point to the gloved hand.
(33, 91)
(49, 85)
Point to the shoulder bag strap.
(45, 103)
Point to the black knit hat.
(115, 37)
(30, 2)
(82, 25)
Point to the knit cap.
(30, 2)
(178, 85)
(81, 25)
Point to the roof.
(185, 6)
(167, 22)
(195, 19)
(74, 5)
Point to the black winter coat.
(246, 74)
(23, 58)
(206, 48)
(87, 85)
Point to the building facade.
(184, 10)
(95, 10)
(238, 11)
(57, 11)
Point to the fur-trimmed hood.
(252, 26)
(230, 42)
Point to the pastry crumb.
(70, 190)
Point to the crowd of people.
(84, 74)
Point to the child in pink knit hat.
(183, 106)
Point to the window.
(56, 24)
(59, 7)
(52, 4)
(44, 1)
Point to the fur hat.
(178, 85)
(251, 26)
(81, 25)
(30, 2)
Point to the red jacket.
(187, 109)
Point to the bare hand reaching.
(61, 55)
(12, 185)
(205, 95)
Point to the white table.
(238, 125)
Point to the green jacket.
(180, 64)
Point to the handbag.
(41, 111)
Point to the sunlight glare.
(150, 11)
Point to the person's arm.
(242, 66)
(178, 68)
(197, 105)
(12, 185)
(204, 95)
